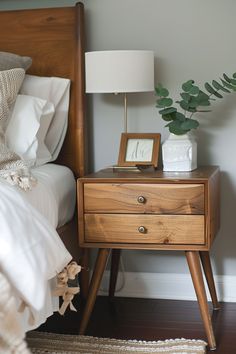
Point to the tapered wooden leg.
(115, 260)
(197, 278)
(206, 264)
(85, 273)
(94, 286)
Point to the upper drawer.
(144, 198)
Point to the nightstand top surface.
(201, 173)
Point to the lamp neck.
(125, 112)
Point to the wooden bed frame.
(54, 39)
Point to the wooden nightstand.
(152, 210)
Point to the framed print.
(139, 149)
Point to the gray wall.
(192, 39)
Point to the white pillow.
(27, 128)
(57, 91)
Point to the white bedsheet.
(31, 252)
(54, 196)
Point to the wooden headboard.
(54, 39)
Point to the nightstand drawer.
(146, 198)
(158, 229)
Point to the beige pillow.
(10, 83)
(12, 168)
(11, 61)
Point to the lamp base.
(124, 168)
(138, 168)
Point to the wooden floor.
(146, 319)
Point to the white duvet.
(31, 252)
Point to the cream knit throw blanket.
(12, 168)
(11, 334)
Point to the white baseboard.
(167, 286)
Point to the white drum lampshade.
(119, 71)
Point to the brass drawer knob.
(141, 199)
(142, 229)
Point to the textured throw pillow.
(11, 61)
(11, 166)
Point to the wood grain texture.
(94, 287)
(157, 198)
(54, 39)
(197, 278)
(145, 246)
(150, 175)
(116, 192)
(206, 265)
(213, 198)
(167, 229)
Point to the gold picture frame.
(139, 149)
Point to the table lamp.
(119, 71)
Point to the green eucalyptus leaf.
(167, 110)
(161, 91)
(234, 75)
(226, 84)
(233, 81)
(203, 96)
(192, 110)
(187, 85)
(185, 106)
(164, 102)
(180, 117)
(211, 90)
(194, 90)
(189, 82)
(204, 103)
(202, 99)
(175, 128)
(217, 94)
(189, 124)
(229, 80)
(226, 78)
(185, 96)
(169, 117)
(218, 86)
(193, 103)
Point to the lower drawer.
(161, 229)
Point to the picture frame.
(139, 149)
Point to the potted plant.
(179, 151)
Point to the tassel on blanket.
(66, 281)
(21, 179)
